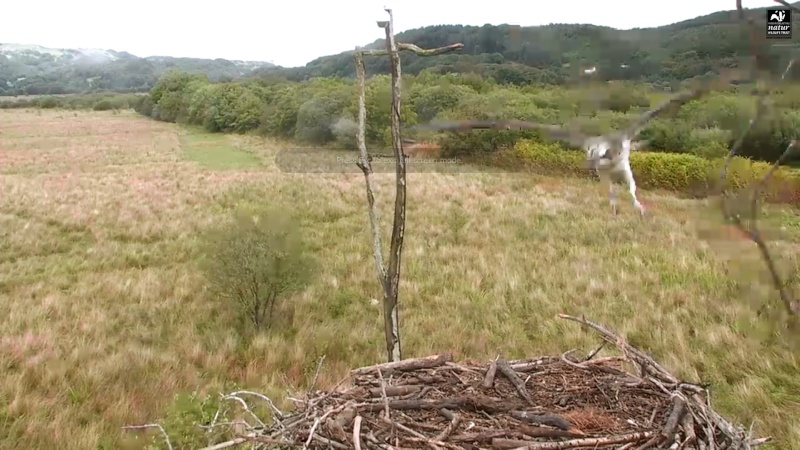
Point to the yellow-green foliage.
(550, 158)
(680, 172)
(673, 171)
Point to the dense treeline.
(321, 111)
(104, 101)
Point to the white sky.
(294, 32)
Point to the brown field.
(105, 318)
(15, 98)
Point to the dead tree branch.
(749, 225)
(399, 224)
(389, 277)
(401, 46)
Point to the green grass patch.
(216, 152)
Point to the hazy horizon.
(243, 31)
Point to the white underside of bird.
(613, 165)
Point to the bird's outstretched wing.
(678, 100)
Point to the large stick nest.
(541, 403)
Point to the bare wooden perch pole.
(388, 277)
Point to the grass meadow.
(104, 320)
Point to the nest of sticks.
(540, 403)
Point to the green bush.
(103, 105)
(622, 99)
(378, 103)
(317, 116)
(48, 102)
(228, 107)
(429, 101)
(505, 104)
(551, 159)
(254, 261)
(279, 118)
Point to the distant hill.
(36, 70)
(558, 53)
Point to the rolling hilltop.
(36, 70)
(556, 53)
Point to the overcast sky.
(294, 32)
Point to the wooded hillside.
(557, 53)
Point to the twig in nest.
(240, 440)
(383, 395)
(574, 443)
(316, 373)
(454, 420)
(594, 352)
(151, 425)
(245, 407)
(688, 430)
(565, 359)
(635, 354)
(488, 381)
(546, 418)
(674, 419)
(357, 433)
(505, 369)
(428, 362)
(266, 399)
(320, 420)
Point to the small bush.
(254, 261)
(679, 172)
(103, 105)
(551, 159)
(48, 102)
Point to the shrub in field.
(172, 93)
(622, 98)
(679, 172)
(279, 117)
(317, 116)
(254, 261)
(144, 105)
(226, 107)
(429, 100)
(505, 104)
(103, 105)
(378, 103)
(548, 158)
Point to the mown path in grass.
(107, 319)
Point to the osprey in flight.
(608, 154)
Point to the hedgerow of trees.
(683, 149)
